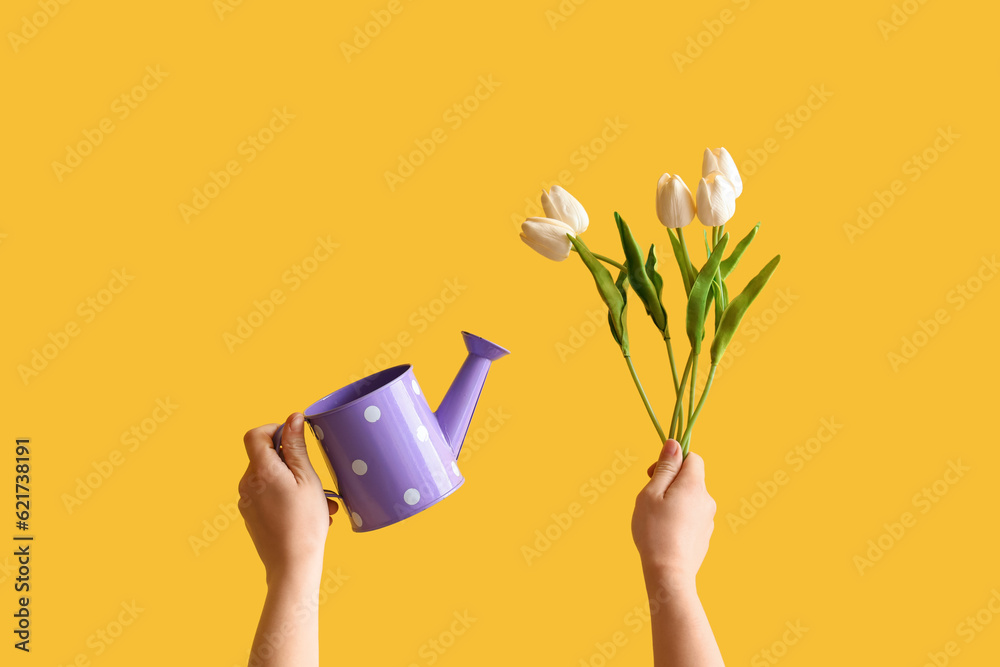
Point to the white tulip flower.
(547, 237)
(720, 160)
(716, 199)
(674, 203)
(562, 206)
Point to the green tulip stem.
(673, 366)
(686, 440)
(645, 401)
(606, 260)
(677, 422)
(694, 381)
(717, 233)
(684, 249)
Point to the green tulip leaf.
(719, 304)
(622, 284)
(609, 292)
(729, 263)
(654, 275)
(641, 283)
(701, 289)
(737, 309)
(692, 271)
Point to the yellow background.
(455, 219)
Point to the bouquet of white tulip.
(558, 234)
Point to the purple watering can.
(390, 454)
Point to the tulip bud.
(547, 237)
(674, 203)
(716, 199)
(561, 205)
(720, 160)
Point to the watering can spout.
(455, 412)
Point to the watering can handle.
(276, 439)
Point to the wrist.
(669, 578)
(297, 577)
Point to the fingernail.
(296, 422)
(672, 447)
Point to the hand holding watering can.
(391, 455)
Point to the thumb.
(666, 468)
(293, 447)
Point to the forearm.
(682, 635)
(288, 632)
